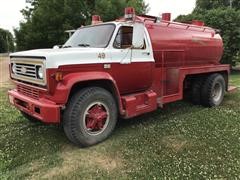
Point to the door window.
(123, 39)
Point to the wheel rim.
(217, 92)
(96, 118)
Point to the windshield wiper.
(66, 46)
(84, 45)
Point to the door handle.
(146, 53)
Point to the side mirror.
(138, 35)
(57, 46)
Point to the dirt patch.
(75, 158)
(4, 72)
(176, 143)
(230, 102)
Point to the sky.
(10, 15)
(176, 7)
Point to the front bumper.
(42, 109)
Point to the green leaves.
(226, 20)
(47, 20)
(6, 41)
(213, 4)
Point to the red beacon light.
(198, 23)
(166, 16)
(129, 13)
(96, 19)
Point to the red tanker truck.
(123, 68)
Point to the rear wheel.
(213, 90)
(90, 116)
(196, 91)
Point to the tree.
(6, 41)
(46, 20)
(112, 9)
(225, 19)
(214, 4)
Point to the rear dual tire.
(196, 91)
(213, 90)
(208, 91)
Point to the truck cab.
(123, 68)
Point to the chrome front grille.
(28, 70)
(25, 70)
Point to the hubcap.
(217, 92)
(96, 118)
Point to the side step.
(139, 103)
(232, 89)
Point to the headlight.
(14, 68)
(40, 72)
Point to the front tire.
(90, 116)
(213, 90)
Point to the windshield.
(92, 36)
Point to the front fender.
(64, 87)
(73, 78)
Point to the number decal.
(101, 55)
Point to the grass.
(178, 142)
(235, 78)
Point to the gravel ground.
(4, 72)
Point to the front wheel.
(90, 116)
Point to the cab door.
(133, 68)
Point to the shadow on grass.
(160, 115)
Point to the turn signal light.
(59, 76)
